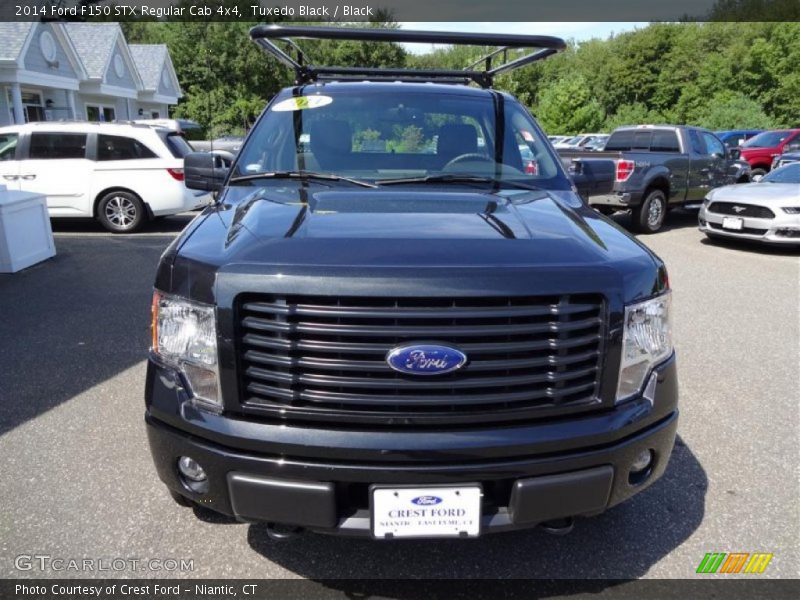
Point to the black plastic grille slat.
(323, 358)
(741, 210)
(410, 331)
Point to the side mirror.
(204, 171)
(576, 167)
(734, 153)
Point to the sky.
(578, 31)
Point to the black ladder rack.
(538, 46)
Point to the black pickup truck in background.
(651, 169)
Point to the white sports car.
(767, 211)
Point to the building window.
(32, 107)
(103, 114)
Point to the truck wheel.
(121, 212)
(649, 216)
(757, 174)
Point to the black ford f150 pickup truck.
(386, 326)
(650, 169)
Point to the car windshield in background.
(768, 139)
(376, 135)
(788, 174)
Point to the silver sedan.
(767, 211)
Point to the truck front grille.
(741, 210)
(323, 358)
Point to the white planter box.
(25, 234)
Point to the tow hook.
(279, 532)
(558, 526)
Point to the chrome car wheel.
(121, 212)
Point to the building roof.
(94, 44)
(13, 36)
(149, 60)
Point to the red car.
(761, 149)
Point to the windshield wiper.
(453, 178)
(300, 175)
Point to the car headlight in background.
(792, 210)
(646, 341)
(185, 337)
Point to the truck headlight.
(646, 341)
(185, 337)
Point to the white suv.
(120, 174)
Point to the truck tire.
(648, 217)
(757, 174)
(121, 212)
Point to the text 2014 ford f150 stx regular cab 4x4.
(386, 327)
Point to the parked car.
(734, 138)
(655, 168)
(557, 139)
(597, 143)
(122, 175)
(227, 143)
(402, 343)
(186, 127)
(761, 150)
(767, 211)
(577, 142)
(785, 159)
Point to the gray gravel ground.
(77, 480)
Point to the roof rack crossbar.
(537, 47)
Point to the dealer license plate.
(732, 223)
(438, 511)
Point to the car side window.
(118, 147)
(57, 145)
(713, 145)
(696, 142)
(8, 146)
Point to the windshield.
(397, 134)
(768, 139)
(788, 174)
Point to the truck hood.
(762, 193)
(358, 232)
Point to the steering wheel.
(469, 156)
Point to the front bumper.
(784, 229)
(320, 479)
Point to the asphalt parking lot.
(77, 479)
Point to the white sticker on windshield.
(302, 103)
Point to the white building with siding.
(81, 71)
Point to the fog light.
(642, 462)
(190, 469)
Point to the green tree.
(733, 110)
(633, 114)
(567, 106)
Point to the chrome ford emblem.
(425, 359)
(739, 209)
(426, 500)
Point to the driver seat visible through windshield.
(454, 140)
